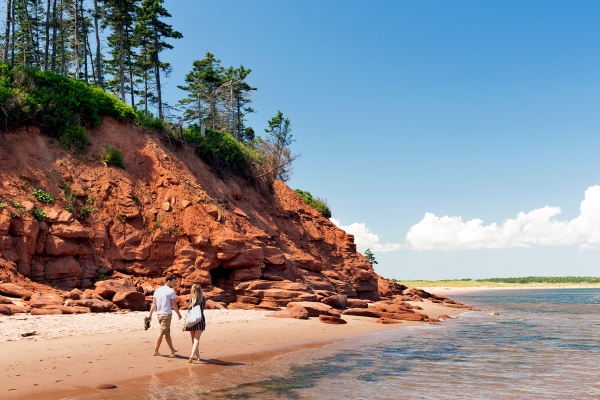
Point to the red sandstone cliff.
(166, 212)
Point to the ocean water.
(545, 344)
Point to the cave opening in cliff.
(219, 274)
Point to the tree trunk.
(131, 91)
(12, 41)
(158, 92)
(33, 47)
(239, 116)
(54, 37)
(121, 66)
(76, 40)
(98, 54)
(62, 41)
(84, 37)
(157, 73)
(7, 31)
(47, 44)
(145, 89)
(199, 111)
(89, 52)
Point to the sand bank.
(72, 354)
(449, 290)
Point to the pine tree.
(26, 37)
(143, 62)
(242, 97)
(99, 66)
(158, 32)
(206, 75)
(119, 16)
(65, 36)
(7, 38)
(276, 148)
(55, 28)
(47, 33)
(370, 257)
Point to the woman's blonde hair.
(197, 295)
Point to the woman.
(196, 330)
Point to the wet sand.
(72, 354)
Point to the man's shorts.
(165, 323)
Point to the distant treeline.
(547, 279)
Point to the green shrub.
(87, 208)
(113, 156)
(18, 205)
(147, 121)
(222, 152)
(55, 103)
(318, 204)
(2, 205)
(74, 138)
(69, 197)
(192, 134)
(157, 222)
(43, 196)
(39, 214)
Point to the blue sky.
(459, 109)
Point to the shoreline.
(444, 290)
(62, 361)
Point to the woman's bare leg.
(195, 347)
(192, 335)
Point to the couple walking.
(164, 303)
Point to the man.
(164, 302)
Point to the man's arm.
(152, 308)
(175, 307)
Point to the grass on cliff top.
(60, 106)
(223, 153)
(498, 282)
(318, 204)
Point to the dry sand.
(72, 354)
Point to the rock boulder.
(357, 303)
(42, 311)
(107, 289)
(295, 312)
(330, 319)
(131, 300)
(336, 301)
(10, 289)
(94, 305)
(40, 300)
(314, 309)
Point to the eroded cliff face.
(166, 212)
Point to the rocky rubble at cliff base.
(118, 295)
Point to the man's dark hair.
(169, 278)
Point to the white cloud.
(538, 226)
(365, 239)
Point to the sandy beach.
(73, 354)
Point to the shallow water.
(545, 344)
